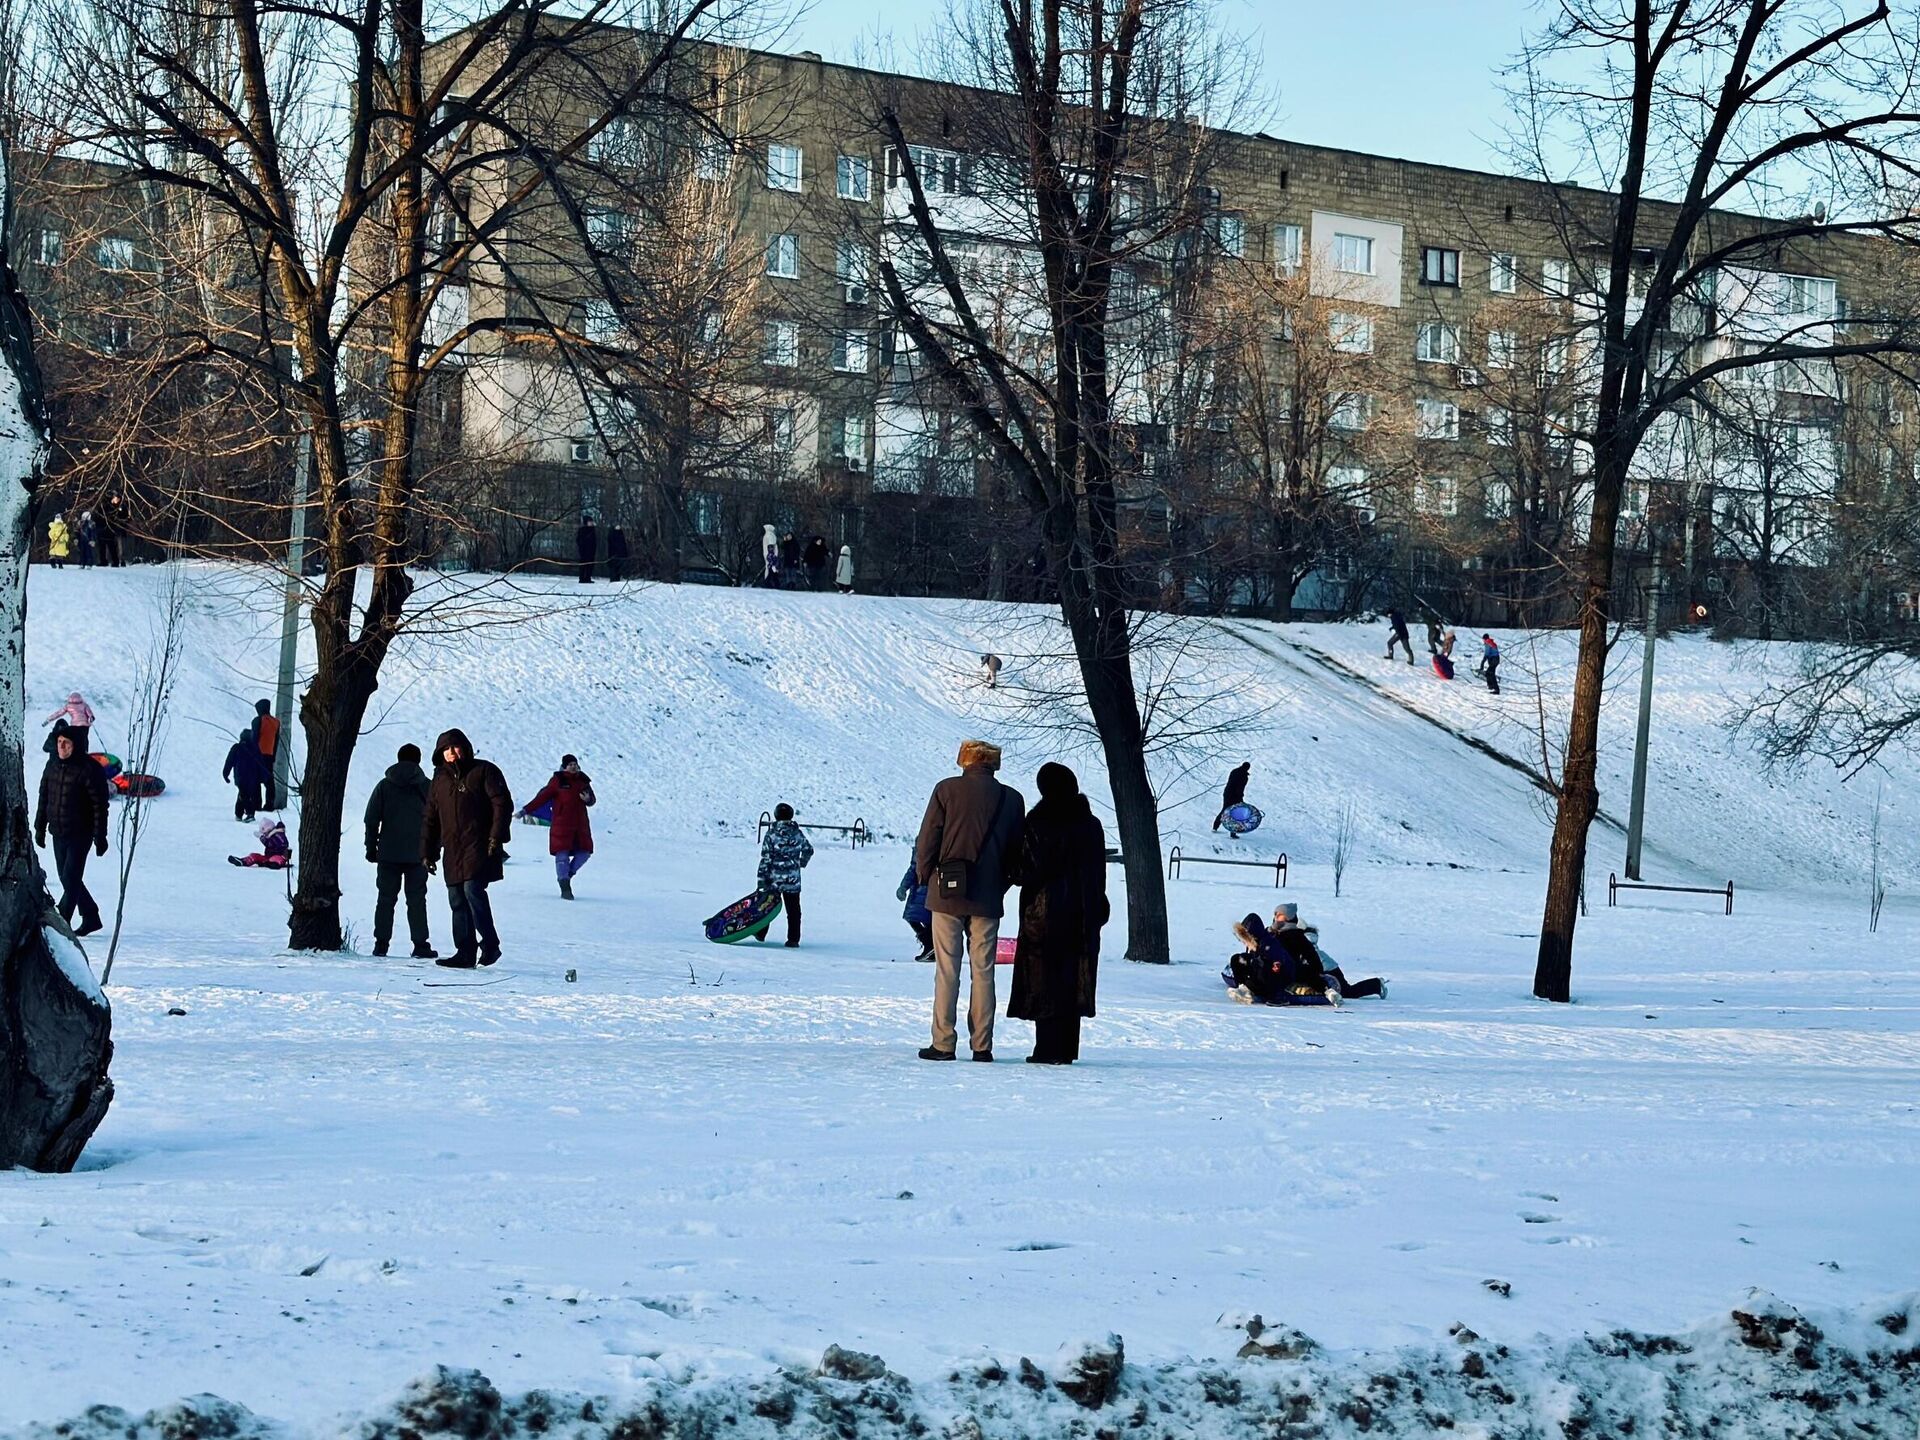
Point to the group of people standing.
(786, 564)
(250, 764)
(586, 549)
(1440, 642)
(89, 540)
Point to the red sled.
(1005, 950)
(138, 787)
(1442, 666)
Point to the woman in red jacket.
(570, 841)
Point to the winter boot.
(985, 1057)
(379, 949)
(566, 889)
(424, 951)
(929, 1053)
(455, 961)
(489, 954)
(90, 925)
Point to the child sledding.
(275, 852)
(1281, 964)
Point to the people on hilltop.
(72, 811)
(789, 561)
(784, 853)
(84, 538)
(395, 817)
(107, 530)
(965, 854)
(815, 558)
(617, 554)
(769, 557)
(843, 571)
(1062, 869)
(469, 818)
(586, 547)
(1489, 667)
(245, 772)
(1234, 791)
(1397, 633)
(569, 791)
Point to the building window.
(1439, 267)
(1351, 412)
(1553, 358)
(603, 322)
(1499, 425)
(1498, 500)
(1286, 249)
(705, 509)
(942, 172)
(853, 177)
(50, 247)
(1350, 334)
(117, 336)
(1436, 495)
(782, 344)
(853, 441)
(617, 143)
(610, 231)
(1353, 254)
(1503, 274)
(778, 428)
(850, 351)
(115, 252)
(1501, 345)
(1230, 233)
(850, 265)
(1436, 419)
(1439, 343)
(580, 449)
(1808, 298)
(783, 256)
(712, 159)
(783, 167)
(1556, 277)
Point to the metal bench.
(1615, 885)
(857, 833)
(1278, 865)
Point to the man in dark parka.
(469, 818)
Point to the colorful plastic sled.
(1241, 819)
(138, 787)
(1287, 999)
(108, 763)
(744, 919)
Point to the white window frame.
(1357, 249)
(1795, 297)
(852, 352)
(1503, 272)
(855, 431)
(777, 428)
(1436, 495)
(713, 160)
(1230, 232)
(1502, 347)
(1352, 413)
(611, 231)
(1436, 419)
(50, 246)
(1438, 343)
(786, 168)
(783, 255)
(114, 252)
(1287, 243)
(1498, 423)
(854, 271)
(1350, 333)
(1556, 277)
(780, 344)
(1496, 500)
(853, 177)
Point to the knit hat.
(1286, 913)
(566, 760)
(979, 752)
(1057, 782)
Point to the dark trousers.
(1057, 1040)
(791, 900)
(586, 571)
(246, 801)
(70, 864)
(472, 916)
(110, 548)
(923, 932)
(1354, 989)
(269, 787)
(392, 877)
(616, 567)
(1490, 667)
(1399, 637)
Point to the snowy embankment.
(676, 1179)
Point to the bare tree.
(1676, 112)
(1345, 832)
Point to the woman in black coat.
(1063, 904)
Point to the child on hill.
(918, 917)
(275, 852)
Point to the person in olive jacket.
(469, 817)
(73, 809)
(396, 814)
(1063, 904)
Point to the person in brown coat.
(1063, 904)
(968, 845)
(469, 817)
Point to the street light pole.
(1637, 813)
(290, 614)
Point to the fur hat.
(979, 752)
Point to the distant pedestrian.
(1063, 905)
(396, 814)
(1433, 634)
(990, 670)
(815, 558)
(843, 571)
(59, 542)
(569, 835)
(617, 554)
(1398, 635)
(769, 557)
(75, 719)
(783, 855)
(965, 854)
(107, 531)
(913, 896)
(266, 739)
(1489, 667)
(469, 819)
(72, 808)
(586, 546)
(1234, 791)
(85, 538)
(789, 561)
(245, 772)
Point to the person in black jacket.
(617, 554)
(1063, 904)
(1234, 791)
(73, 810)
(246, 768)
(586, 545)
(396, 814)
(469, 817)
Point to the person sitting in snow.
(783, 855)
(275, 852)
(1303, 943)
(1270, 970)
(918, 917)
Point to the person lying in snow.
(1281, 965)
(275, 852)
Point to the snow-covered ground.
(693, 1165)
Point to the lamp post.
(290, 613)
(1637, 813)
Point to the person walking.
(990, 670)
(244, 771)
(586, 547)
(815, 558)
(107, 531)
(569, 834)
(1399, 635)
(1433, 634)
(266, 739)
(469, 817)
(968, 845)
(913, 909)
(1063, 905)
(1234, 791)
(1489, 666)
(769, 557)
(396, 814)
(617, 554)
(843, 571)
(59, 542)
(72, 809)
(783, 855)
(85, 537)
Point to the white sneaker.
(1334, 997)
(1383, 989)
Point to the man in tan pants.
(965, 854)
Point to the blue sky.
(1391, 77)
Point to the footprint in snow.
(1531, 1218)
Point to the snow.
(685, 1174)
(73, 963)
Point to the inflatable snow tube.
(1284, 1000)
(1241, 819)
(744, 919)
(1442, 666)
(1006, 949)
(138, 787)
(108, 763)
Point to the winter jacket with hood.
(570, 792)
(843, 571)
(1063, 904)
(396, 814)
(1286, 958)
(246, 766)
(914, 895)
(1236, 787)
(73, 801)
(469, 815)
(783, 855)
(972, 817)
(266, 728)
(59, 539)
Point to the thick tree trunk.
(1116, 714)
